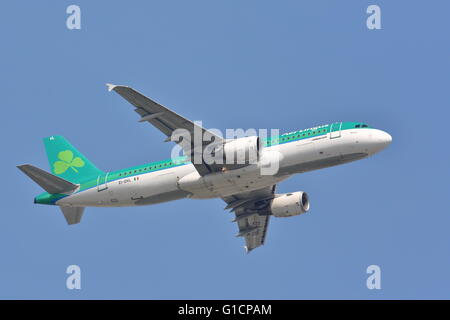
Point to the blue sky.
(231, 64)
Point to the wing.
(167, 122)
(252, 214)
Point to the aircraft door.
(102, 182)
(335, 130)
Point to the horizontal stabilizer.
(72, 214)
(48, 181)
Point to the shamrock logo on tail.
(66, 161)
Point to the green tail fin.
(67, 162)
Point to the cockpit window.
(357, 126)
(364, 125)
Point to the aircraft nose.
(381, 140)
(385, 138)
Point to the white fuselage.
(184, 180)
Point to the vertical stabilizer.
(67, 162)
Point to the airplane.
(76, 183)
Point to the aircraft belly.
(90, 197)
(298, 151)
(159, 187)
(150, 185)
(226, 183)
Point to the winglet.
(110, 86)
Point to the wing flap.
(251, 215)
(254, 229)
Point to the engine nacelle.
(241, 151)
(290, 204)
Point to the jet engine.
(289, 204)
(241, 151)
